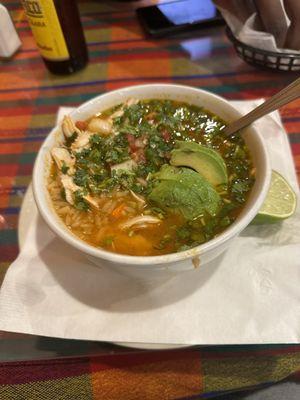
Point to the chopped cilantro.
(184, 247)
(81, 177)
(130, 129)
(183, 232)
(63, 193)
(240, 188)
(64, 168)
(225, 221)
(95, 156)
(134, 113)
(116, 155)
(96, 139)
(107, 241)
(79, 202)
(69, 140)
(163, 242)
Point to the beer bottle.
(58, 33)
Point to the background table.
(121, 55)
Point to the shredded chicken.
(126, 166)
(63, 158)
(101, 126)
(68, 127)
(120, 112)
(131, 101)
(91, 201)
(139, 199)
(117, 113)
(140, 222)
(82, 141)
(70, 188)
(142, 181)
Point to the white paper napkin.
(249, 32)
(249, 295)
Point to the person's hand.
(272, 17)
(292, 40)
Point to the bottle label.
(46, 29)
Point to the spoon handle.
(286, 95)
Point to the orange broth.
(120, 197)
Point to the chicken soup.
(149, 177)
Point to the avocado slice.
(184, 190)
(202, 159)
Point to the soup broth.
(149, 177)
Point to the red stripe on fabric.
(291, 110)
(8, 253)
(292, 126)
(18, 373)
(296, 148)
(20, 95)
(133, 359)
(126, 22)
(25, 169)
(24, 372)
(11, 133)
(25, 110)
(36, 65)
(9, 148)
(13, 111)
(153, 55)
(85, 17)
(116, 85)
(8, 170)
(158, 55)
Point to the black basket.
(266, 59)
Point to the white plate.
(29, 213)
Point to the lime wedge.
(280, 202)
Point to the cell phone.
(177, 16)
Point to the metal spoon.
(286, 95)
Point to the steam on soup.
(149, 177)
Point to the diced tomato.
(82, 125)
(139, 156)
(130, 138)
(131, 141)
(166, 136)
(135, 143)
(139, 143)
(142, 156)
(151, 116)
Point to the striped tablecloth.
(121, 55)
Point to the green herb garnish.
(64, 168)
(79, 202)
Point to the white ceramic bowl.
(166, 265)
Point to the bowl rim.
(60, 230)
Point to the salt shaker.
(9, 39)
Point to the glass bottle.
(58, 33)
